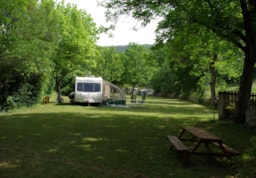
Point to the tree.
(109, 65)
(234, 21)
(175, 76)
(206, 57)
(76, 37)
(24, 51)
(139, 66)
(208, 54)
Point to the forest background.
(45, 45)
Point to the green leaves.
(75, 43)
(109, 65)
(139, 65)
(39, 38)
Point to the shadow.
(77, 141)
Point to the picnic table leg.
(225, 152)
(182, 132)
(207, 146)
(188, 154)
(191, 152)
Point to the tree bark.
(246, 81)
(246, 84)
(58, 88)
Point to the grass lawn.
(106, 142)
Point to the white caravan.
(95, 90)
(88, 90)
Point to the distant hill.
(122, 48)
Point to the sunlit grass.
(80, 141)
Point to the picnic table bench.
(213, 145)
(177, 143)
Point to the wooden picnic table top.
(213, 145)
(202, 134)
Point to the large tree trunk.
(246, 84)
(250, 57)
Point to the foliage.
(139, 65)
(175, 76)
(25, 49)
(163, 82)
(233, 21)
(75, 43)
(42, 44)
(211, 56)
(109, 65)
(229, 111)
(10, 103)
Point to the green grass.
(79, 141)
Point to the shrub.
(230, 111)
(10, 103)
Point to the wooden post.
(222, 103)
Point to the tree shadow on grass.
(113, 145)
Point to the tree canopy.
(75, 43)
(109, 65)
(234, 21)
(25, 47)
(41, 42)
(139, 65)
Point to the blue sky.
(124, 33)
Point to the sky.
(123, 33)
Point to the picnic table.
(201, 142)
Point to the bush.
(230, 111)
(25, 94)
(10, 103)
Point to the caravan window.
(88, 87)
(96, 87)
(79, 87)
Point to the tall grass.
(80, 141)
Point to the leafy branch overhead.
(233, 21)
